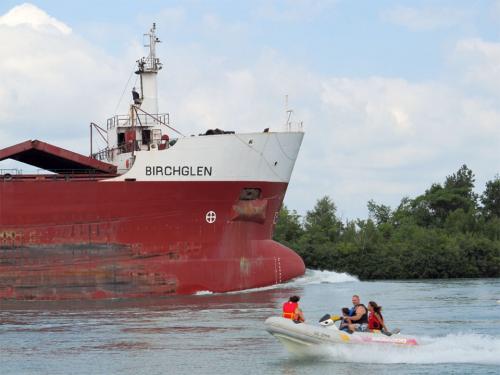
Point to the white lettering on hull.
(169, 170)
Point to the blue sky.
(395, 95)
(353, 38)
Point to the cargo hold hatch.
(54, 159)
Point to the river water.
(457, 321)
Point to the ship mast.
(147, 68)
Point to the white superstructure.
(140, 143)
(268, 157)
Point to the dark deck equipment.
(54, 159)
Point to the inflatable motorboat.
(296, 336)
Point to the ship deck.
(55, 159)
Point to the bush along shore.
(447, 232)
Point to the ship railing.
(104, 154)
(10, 171)
(294, 126)
(56, 175)
(70, 172)
(107, 154)
(142, 119)
(291, 124)
(298, 126)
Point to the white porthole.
(210, 217)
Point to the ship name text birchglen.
(180, 170)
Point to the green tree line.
(447, 232)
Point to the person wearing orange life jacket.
(291, 310)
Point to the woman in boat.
(375, 318)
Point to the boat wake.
(203, 293)
(321, 277)
(311, 277)
(452, 348)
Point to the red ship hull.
(91, 239)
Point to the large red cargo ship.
(149, 215)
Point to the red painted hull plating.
(89, 239)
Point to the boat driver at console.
(358, 316)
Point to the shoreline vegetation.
(447, 232)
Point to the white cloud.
(32, 16)
(478, 62)
(425, 18)
(52, 83)
(205, 91)
(371, 152)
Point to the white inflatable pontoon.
(296, 336)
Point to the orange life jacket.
(289, 310)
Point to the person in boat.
(358, 316)
(344, 324)
(291, 310)
(375, 318)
